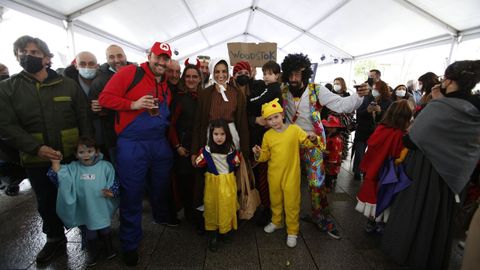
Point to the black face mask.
(4, 77)
(242, 80)
(31, 64)
(370, 81)
(443, 89)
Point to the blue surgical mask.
(87, 73)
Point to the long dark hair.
(228, 145)
(383, 90)
(181, 83)
(428, 80)
(398, 115)
(465, 73)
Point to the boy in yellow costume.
(280, 147)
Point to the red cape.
(383, 143)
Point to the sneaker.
(50, 249)
(291, 240)
(334, 234)
(270, 228)
(173, 222)
(130, 258)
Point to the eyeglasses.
(203, 58)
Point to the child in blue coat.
(87, 196)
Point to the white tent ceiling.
(349, 29)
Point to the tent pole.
(70, 39)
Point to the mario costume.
(284, 177)
(144, 156)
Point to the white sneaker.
(291, 240)
(270, 228)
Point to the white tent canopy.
(336, 29)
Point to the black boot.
(212, 241)
(130, 258)
(107, 243)
(199, 222)
(226, 237)
(93, 252)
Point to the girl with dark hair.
(385, 142)
(220, 198)
(443, 152)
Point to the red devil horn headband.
(188, 63)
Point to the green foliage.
(362, 68)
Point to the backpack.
(139, 72)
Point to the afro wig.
(297, 62)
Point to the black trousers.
(46, 194)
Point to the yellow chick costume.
(282, 151)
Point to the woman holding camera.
(368, 115)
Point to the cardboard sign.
(256, 54)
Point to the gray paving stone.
(179, 248)
(336, 254)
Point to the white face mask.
(375, 93)
(87, 73)
(337, 88)
(400, 93)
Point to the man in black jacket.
(103, 119)
(43, 115)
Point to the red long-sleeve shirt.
(115, 96)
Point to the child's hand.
(107, 193)
(56, 162)
(312, 137)
(256, 150)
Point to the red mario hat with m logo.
(161, 48)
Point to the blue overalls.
(144, 156)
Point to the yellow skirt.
(220, 201)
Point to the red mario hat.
(161, 48)
(332, 121)
(241, 66)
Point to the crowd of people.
(93, 139)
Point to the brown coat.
(201, 119)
